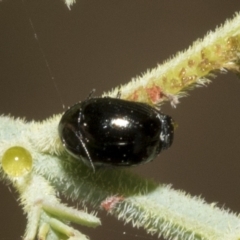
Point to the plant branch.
(157, 208)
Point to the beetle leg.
(87, 152)
(91, 94)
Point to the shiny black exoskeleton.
(114, 132)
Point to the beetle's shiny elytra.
(114, 132)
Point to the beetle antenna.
(118, 93)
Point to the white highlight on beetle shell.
(162, 136)
(120, 122)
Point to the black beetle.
(115, 132)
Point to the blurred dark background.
(101, 44)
